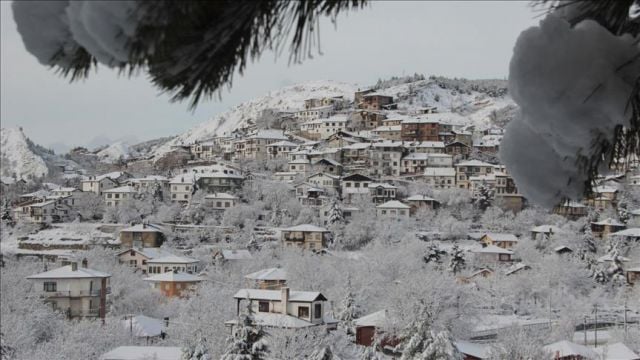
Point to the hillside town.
(351, 227)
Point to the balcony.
(77, 293)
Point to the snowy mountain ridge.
(19, 157)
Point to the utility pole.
(595, 335)
(625, 319)
(584, 329)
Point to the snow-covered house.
(393, 209)
(440, 178)
(571, 209)
(285, 176)
(382, 192)
(174, 284)
(116, 196)
(146, 327)
(505, 241)
(422, 202)
(633, 275)
(98, 184)
(267, 279)
(219, 181)
(603, 228)
(414, 163)
(280, 149)
(149, 184)
(144, 352)
(492, 254)
(299, 166)
(221, 201)
(629, 235)
(177, 264)
(325, 181)
(285, 308)
(182, 188)
(306, 236)
(77, 291)
(225, 255)
(388, 132)
(466, 169)
(566, 350)
(142, 235)
(255, 145)
(370, 326)
(355, 185)
(544, 232)
(46, 211)
(385, 158)
(138, 257)
(328, 166)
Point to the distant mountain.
(20, 158)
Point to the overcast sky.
(465, 39)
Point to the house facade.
(306, 236)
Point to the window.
(263, 306)
(50, 286)
(108, 196)
(218, 204)
(303, 312)
(117, 196)
(133, 263)
(357, 185)
(317, 311)
(348, 184)
(186, 196)
(227, 204)
(173, 196)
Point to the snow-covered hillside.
(18, 156)
(290, 97)
(477, 100)
(115, 152)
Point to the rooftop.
(66, 272)
(276, 295)
(268, 274)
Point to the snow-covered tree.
(196, 350)
(456, 259)
(322, 353)
(433, 254)
(421, 342)
(349, 308)
(335, 213)
(246, 342)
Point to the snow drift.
(572, 86)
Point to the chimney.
(144, 225)
(74, 266)
(85, 263)
(166, 322)
(285, 299)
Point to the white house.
(97, 184)
(285, 308)
(114, 197)
(182, 188)
(221, 201)
(77, 291)
(493, 254)
(268, 279)
(139, 257)
(393, 209)
(440, 178)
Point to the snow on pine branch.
(573, 85)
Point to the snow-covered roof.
(277, 320)
(149, 178)
(187, 178)
(631, 232)
(171, 276)
(608, 257)
(232, 254)
(480, 351)
(608, 221)
(149, 253)
(269, 134)
(172, 259)
(437, 171)
(387, 128)
(617, 351)
(330, 161)
(283, 143)
(492, 249)
(143, 228)
(474, 163)
(420, 198)
(143, 326)
(604, 189)
(65, 189)
(546, 229)
(224, 196)
(357, 146)
(382, 185)
(268, 274)
(299, 161)
(516, 267)
(377, 319)
(416, 156)
(393, 204)
(306, 228)
(502, 237)
(276, 295)
(144, 352)
(66, 272)
(562, 247)
(566, 348)
(121, 189)
(427, 144)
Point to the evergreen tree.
(484, 197)
(457, 261)
(246, 341)
(196, 350)
(433, 254)
(349, 309)
(420, 342)
(335, 213)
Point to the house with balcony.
(466, 169)
(326, 181)
(385, 158)
(99, 183)
(418, 202)
(167, 263)
(284, 308)
(382, 192)
(182, 187)
(306, 236)
(150, 184)
(142, 236)
(219, 181)
(280, 149)
(267, 279)
(174, 283)
(601, 229)
(328, 166)
(77, 291)
(440, 177)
